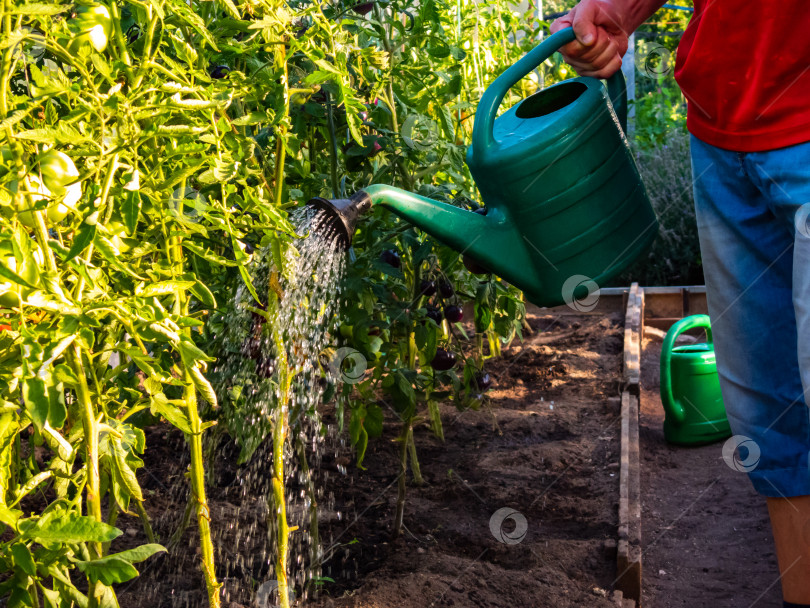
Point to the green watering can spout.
(482, 238)
(564, 200)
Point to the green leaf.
(203, 294)
(373, 422)
(6, 273)
(38, 8)
(159, 405)
(123, 471)
(254, 118)
(203, 386)
(163, 288)
(108, 570)
(35, 397)
(190, 352)
(131, 210)
(70, 528)
(113, 568)
(208, 255)
(24, 559)
(85, 236)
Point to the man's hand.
(601, 32)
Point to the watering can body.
(565, 206)
(690, 388)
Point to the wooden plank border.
(628, 553)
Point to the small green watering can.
(690, 388)
(565, 206)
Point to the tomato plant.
(145, 146)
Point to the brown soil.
(705, 532)
(545, 445)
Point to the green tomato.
(92, 25)
(56, 212)
(12, 294)
(57, 171)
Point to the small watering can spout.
(455, 227)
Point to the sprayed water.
(246, 378)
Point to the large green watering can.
(565, 206)
(690, 388)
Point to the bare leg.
(790, 521)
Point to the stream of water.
(246, 376)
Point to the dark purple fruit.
(446, 289)
(265, 366)
(363, 8)
(435, 314)
(483, 381)
(391, 257)
(220, 71)
(454, 314)
(473, 266)
(427, 288)
(443, 360)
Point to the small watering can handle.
(493, 96)
(670, 405)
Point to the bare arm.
(602, 28)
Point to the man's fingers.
(584, 24)
(606, 72)
(604, 45)
(561, 23)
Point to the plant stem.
(90, 428)
(417, 472)
(333, 148)
(198, 490)
(197, 465)
(402, 485)
(144, 516)
(281, 415)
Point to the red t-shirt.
(744, 68)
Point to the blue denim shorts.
(753, 214)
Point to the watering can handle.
(670, 405)
(493, 96)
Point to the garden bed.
(546, 445)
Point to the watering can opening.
(550, 100)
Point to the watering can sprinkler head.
(342, 214)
